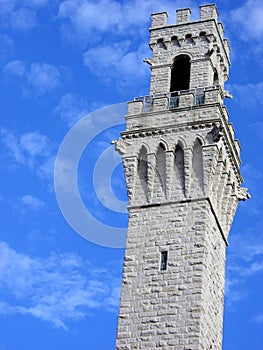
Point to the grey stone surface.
(181, 163)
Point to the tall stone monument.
(181, 162)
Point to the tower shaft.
(181, 164)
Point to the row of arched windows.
(165, 176)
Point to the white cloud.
(248, 95)
(72, 108)
(31, 149)
(248, 20)
(35, 144)
(96, 17)
(16, 68)
(105, 27)
(23, 19)
(30, 202)
(114, 62)
(11, 143)
(56, 289)
(39, 77)
(21, 14)
(45, 171)
(243, 263)
(43, 77)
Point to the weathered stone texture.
(181, 165)
(179, 307)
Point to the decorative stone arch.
(201, 139)
(182, 143)
(197, 165)
(164, 143)
(179, 168)
(143, 145)
(180, 72)
(215, 78)
(142, 172)
(198, 137)
(160, 178)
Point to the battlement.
(207, 12)
(199, 44)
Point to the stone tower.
(181, 163)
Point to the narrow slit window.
(164, 256)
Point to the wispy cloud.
(32, 150)
(72, 108)
(103, 28)
(24, 149)
(85, 17)
(248, 19)
(108, 61)
(244, 99)
(31, 202)
(37, 78)
(56, 289)
(21, 14)
(16, 67)
(44, 77)
(244, 262)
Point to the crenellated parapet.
(202, 41)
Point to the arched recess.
(179, 170)
(197, 167)
(160, 175)
(216, 79)
(141, 187)
(180, 73)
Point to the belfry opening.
(180, 73)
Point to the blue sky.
(61, 60)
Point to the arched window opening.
(197, 166)
(216, 80)
(180, 73)
(142, 171)
(160, 169)
(179, 170)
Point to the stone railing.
(175, 100)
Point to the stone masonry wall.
(165, 309)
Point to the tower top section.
(197, 47)
(207, 12)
